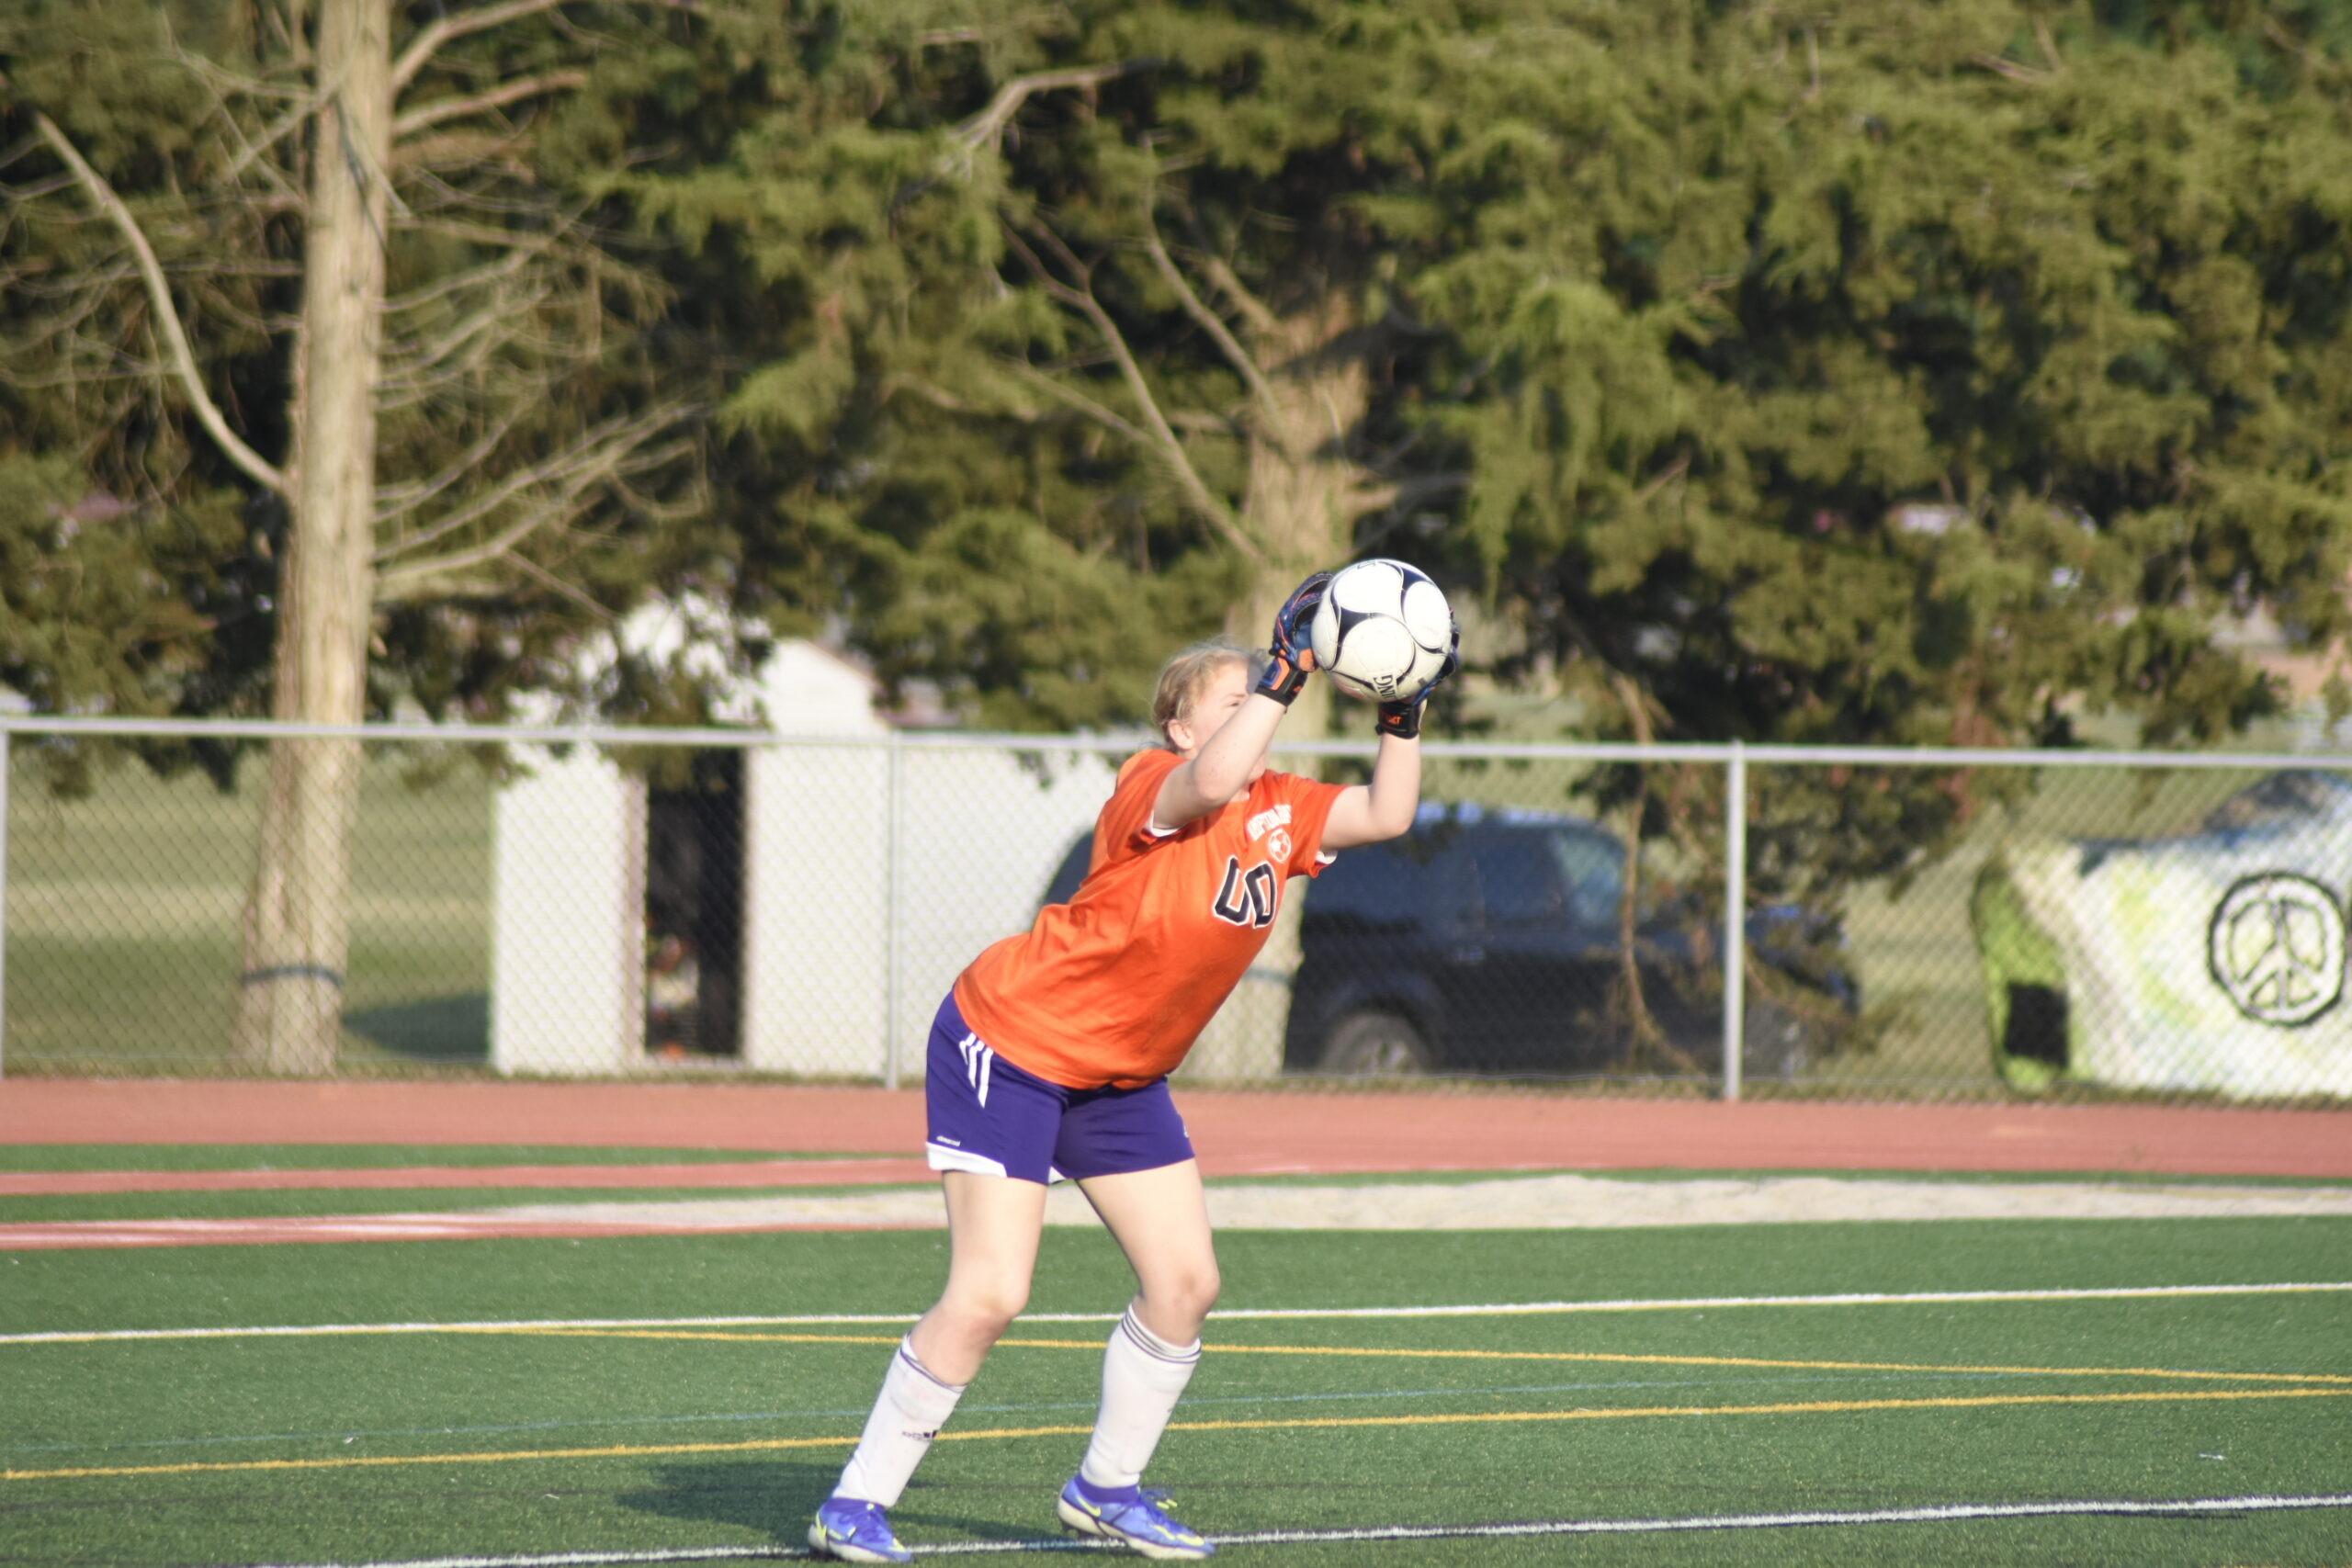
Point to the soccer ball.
(1383, 631)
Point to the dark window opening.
(694, 910)
(2037, 1029)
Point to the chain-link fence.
(646, 903)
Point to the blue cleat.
(1132, 1517)
(856, 1531)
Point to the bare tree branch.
(939, 397)
(418, 578)
(1270, 412)
(574, 458)
(478, 233)
(569, 502)
(501, 312)
(514, 261)
(2012, 70)
(488, 352)
(549, 579)
(167, 316)
(983, 129)
(1401, 496)
(616, 446)
(215, 79)
(2049, 45)
(442, 109)
(391, 500)
(1252, 308)
(928, 391)
(1672, 472)
(1081, 403)
(1163, 439)
(442, 30)
(218, 76)
(270, 137)
(464, 150)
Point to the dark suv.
(1486, 941)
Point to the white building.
(871, 872)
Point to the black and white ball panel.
(1382, 630)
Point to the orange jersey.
(1112, 987)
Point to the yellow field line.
(1764, 1361)
(1814, 1407)
(1410, 1353)
(1235, 1314)
(1603, 1413)
(720, 1334)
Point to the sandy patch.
(1547, 1202)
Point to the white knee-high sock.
(911, 1408)
(1143, 1376)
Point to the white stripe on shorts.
(941, 1157)
(978, 1061)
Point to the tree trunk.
(1297, 500)
(298, 915)
(1298, 504)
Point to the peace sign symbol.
(2277, 947)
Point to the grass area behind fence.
(122, 913)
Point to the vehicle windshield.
(2281, 800)
(1594, 870)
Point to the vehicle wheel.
(1374, 1044)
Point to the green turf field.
(567, 1434)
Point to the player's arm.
(1221, 767)
(1366, 813)
(1218, 770)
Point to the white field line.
(1950, 1513)
(1508, 1309)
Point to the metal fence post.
(1735, 916)
(892, 902)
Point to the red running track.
(716, 1173)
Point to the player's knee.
(985, 1309)
(1185, 1294)
(1203, 1287)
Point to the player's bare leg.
(992, 1224)
(1162, 1222)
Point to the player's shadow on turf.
(778, 1498)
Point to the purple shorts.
(989, 1116)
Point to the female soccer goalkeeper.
(1049, 1060)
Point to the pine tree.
(1893, 375)
(1914, 377)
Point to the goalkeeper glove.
(1283, 675)
(1403, 720)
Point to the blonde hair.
(1184, 677)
